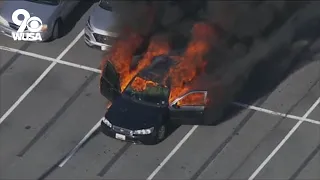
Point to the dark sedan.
(143, 115)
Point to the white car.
(98, 31)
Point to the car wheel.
(161, 134)
(56, 33)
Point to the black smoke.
(245, 30)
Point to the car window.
(147, 92)
(193, 99)
(105, 5)
(49, 2)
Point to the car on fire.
(143, 115)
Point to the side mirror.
(176, 106)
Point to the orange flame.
(140, 84)
(123, 51)
(190, 63)
(121, 56)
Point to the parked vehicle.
(143, 116)
(98, 27)
(51, 12)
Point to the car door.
(109, 82)
(189, 108)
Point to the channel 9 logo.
(32, 24)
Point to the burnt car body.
(144, 116)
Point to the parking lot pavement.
(139, 161)
(244, 153)
(262, 149)
(106, 158)
(293, 154)
(17, 79)
(84, 55)
(293, 88)
(81, 53)
(9, 42)
(7, 58)
(311, 168)
(316, 113)
(50, 49)
(205, 142)
(229, 142)
(54, 48)
(89, 160)
(59, 87)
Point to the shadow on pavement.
(278, 66)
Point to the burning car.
(143, 111)
(149, 90)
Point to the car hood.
(43, 11)
(102, 19)
(129, 114)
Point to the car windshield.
(149, 92)
(105, 5)
(49, 2)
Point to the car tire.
(161, 133)
(56, 33)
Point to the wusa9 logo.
(29, 27)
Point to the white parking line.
(25, 94)
(177, 147)
(289, 116)
(83, 140)
(183, 140)
(263, 164)
(38, 56)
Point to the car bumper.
(136, 139)
(91, 41)
(7, 31)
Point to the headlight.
(104, 120)
(3, 21)
(143, 131)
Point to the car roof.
(158, 70)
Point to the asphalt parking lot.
(48, 106)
